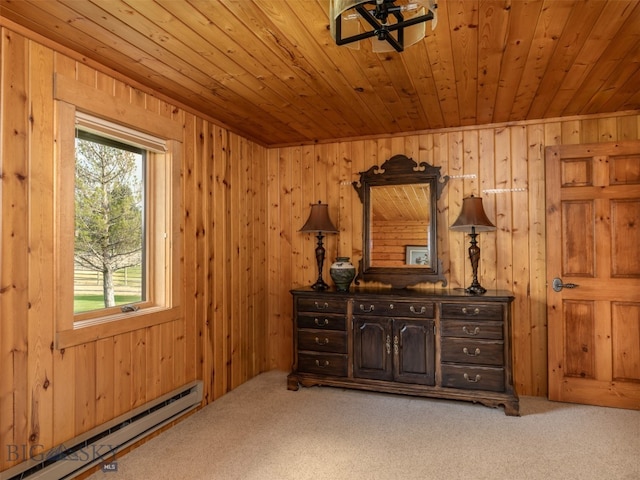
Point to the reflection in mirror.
(400, 218)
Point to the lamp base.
(320, 285)
(475, 289)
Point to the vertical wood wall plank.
(63, 383)
(459, 242)
(278, 324)
(85, 393)
(235, 280)
(125, 377)
(105, 368)
(14, 194)
(520, 236)
(537, 264)
(40, 273)
(489, 252)
(137, 362)
(504, 210)
(191, 148)
(303, 245)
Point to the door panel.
(414, 350)
(579, 250)
(593, 234)
(626, 341)
(625, 259)
(372, 348)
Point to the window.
(117, 203)
(110, 205)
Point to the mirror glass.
(399, 244)
(400, 220)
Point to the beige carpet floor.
(262, 431)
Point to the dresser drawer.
(323, 322)
(322, 304)
(323, 363)
(473, 377)
(472, 310)
(394, 308)
(461, 350)
(472, 329)
(322, 341)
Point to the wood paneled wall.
(242, 207)
(503, 164)
(48, 396)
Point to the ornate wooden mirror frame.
(388, 194)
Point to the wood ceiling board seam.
(517, 47)
(326, 68)
(553, 17)
(296, 44)
(464, 35)
(579, 25)
(492, 40)
(299, 90)
(629, 94)
(441, 54)
(332, 109)
(413, 58)
(259, 93)
(246, 97)
(373, 107)
(622, 46)
(611, 19)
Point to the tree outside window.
(109, 223)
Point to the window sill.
(111, 325)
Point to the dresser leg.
(512, 408)
(292, 382)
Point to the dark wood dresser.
(447, 344)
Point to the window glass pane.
(109, 248)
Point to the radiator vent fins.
(102, 444)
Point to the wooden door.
(372, 348)
(593, 242)
(414, 351)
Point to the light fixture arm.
(377, 18)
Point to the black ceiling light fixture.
(391, 24)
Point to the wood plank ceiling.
(269, 69)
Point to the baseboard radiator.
(101, 444)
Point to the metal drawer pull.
(413, 310)
(325, 364)
(363, 308)
(323, 324)
(323, 342)
(466, 377)
(476, 311)
(475, 330)
(465, 350)
(324, 306)
(388, 344)
(395, 345)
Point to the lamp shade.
(472, 215)
(319, 220)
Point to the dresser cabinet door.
(414, 351)
(372, 348)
